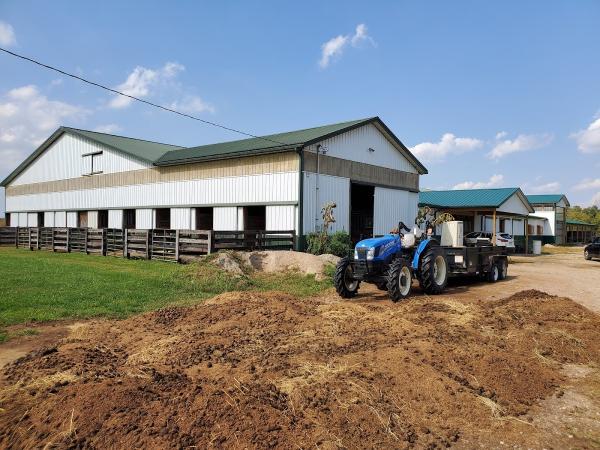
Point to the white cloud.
(587, 184)
(142, 81)
(501, 135)
(28, 118)
(494, 181)
(334, 47)
(546, 188)
(7, 35)
(449, 144)
(596, 200)
(109, 128)
(192, 104)
(588, 140)
(522, 143)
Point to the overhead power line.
(114, 91)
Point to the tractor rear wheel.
(345, 284)
(399, 280)
(434, 271)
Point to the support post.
(148, 242)
(103, 243)
(176, 245)
(52, 240)
(85, 248)
(17, 237)
(68, 240)
(125, 238)
(526, 236)
(209, 247)
(29, 238)
(494, 228)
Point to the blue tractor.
(392, 261)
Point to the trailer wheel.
(434, 271)
(345, 284)
(502, 269)
(493, 274)
(399, 280)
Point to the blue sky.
(486, 94)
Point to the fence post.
(52, 230)
(103, 243)
(68, 240)
(148, 240)
(17, 237)
(85, 248)
(210, 242)
(29, 238)
(125, 238)
(176, 245)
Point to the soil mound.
(256, 370)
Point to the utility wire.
(93, 83)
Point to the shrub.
(338, 243)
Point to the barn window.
(7, 219)
(204, 218)
(163, 218)
(129, 219)
(91, 163)
(255, 218)
(103, 219)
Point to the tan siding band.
(361, 172)
(251, 165)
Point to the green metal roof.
(279, 142)
(546, 199)
(468, 198)
(145, 150)
(580, 222)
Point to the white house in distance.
(79, 178)
(553, 208)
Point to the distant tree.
(591, 214)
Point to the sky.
(485, 94)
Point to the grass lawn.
(42, 286)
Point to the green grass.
(44, 286)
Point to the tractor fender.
(417, 256)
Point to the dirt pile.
(256, 370)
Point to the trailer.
(391, 262)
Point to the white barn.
(79, 178)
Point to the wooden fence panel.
(60, 239)
(23, 238)
(137, 244)
(254, 240)
(46, 238)
(165, 245)
(114, 241)
(8, 236)
(77, 240)
(195, 242)
(95, 240)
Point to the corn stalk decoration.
(426, 211)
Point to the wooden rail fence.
(164, 245)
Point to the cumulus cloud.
(522, 143)
(494, 181)
(192, 104)
(334, 47)
(27, 117)
(501, 135)
(587, 184)
(588, 140)
(449, 144)
(142, 82)
(109, 128)
(7, 35)
(545, 188)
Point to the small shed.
(580, 232)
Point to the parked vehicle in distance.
(592, 250)
(478, 237)
(505, 240)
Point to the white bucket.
(537, 247)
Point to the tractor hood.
(377, 241)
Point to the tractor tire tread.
(338, 279)
(427, 281)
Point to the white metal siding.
(115, 218)
(71, 219)
(550, 222)
(257, 189)
(514, 205)
(49, 219)
(280, 217)
(60, 219)
(225, 218)
(143, 219)
(181, 218)
(392, 206)
(22, 220)
(518, 227)
(331, 189)
(240, 219)
(93, 219)
(32, 220)
(354, 145)
(63, 160)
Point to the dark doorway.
(82, 219)
(163, 218)
(129, 219)
(361, 211)
(40, 221)
(204, 218)
(7, 217)
(103, 219)
(255, 217)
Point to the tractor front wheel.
(399, 280)
(345, 284)
(434, 271)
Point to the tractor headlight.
(371, 254)
(355, 254)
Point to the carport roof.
(470, 198)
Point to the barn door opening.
(361, 211)
(255, 217)
(163, 218)
(82, 219)
(129, 219)
(103, 219)
(40, 221)
(204, 218)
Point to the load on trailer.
(392, 261)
